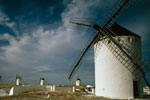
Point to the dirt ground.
(52, 96)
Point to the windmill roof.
(78, 79)
(121, 31)
(42, 78)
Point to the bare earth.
(52, 96)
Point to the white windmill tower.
(110, 62)
(117, 51)
(42, 81)
(18, 80)
(78, 82)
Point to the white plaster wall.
(66, 89)
(26, 88)
(112, 79)
(53, 88)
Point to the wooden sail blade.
(82, 56)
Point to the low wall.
(28, 88)
(4, 91)
(66, 89)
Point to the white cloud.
(6, 21)
(3, 18)
(6, 36)
(43, 50)
(47, 50)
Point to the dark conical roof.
(121, 31)
(42, 78)
(78, 79)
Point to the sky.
(35, 41)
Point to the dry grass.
(42, 95)
(6, 86)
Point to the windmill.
(1, 80)
(18, 80)
(118, 60)
(78, 82)
(42, 81)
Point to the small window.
(130, 39)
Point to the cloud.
(3, 18)
(41, 51)
(6, 21)
(6, 36)
(86, 9)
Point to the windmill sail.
(118, 50)
(96, 36)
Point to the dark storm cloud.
(31, 8)
(32, 13)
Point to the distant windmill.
(18, 80)
(78, 82)
(1, 80)
(42, 81)
(118, 60)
